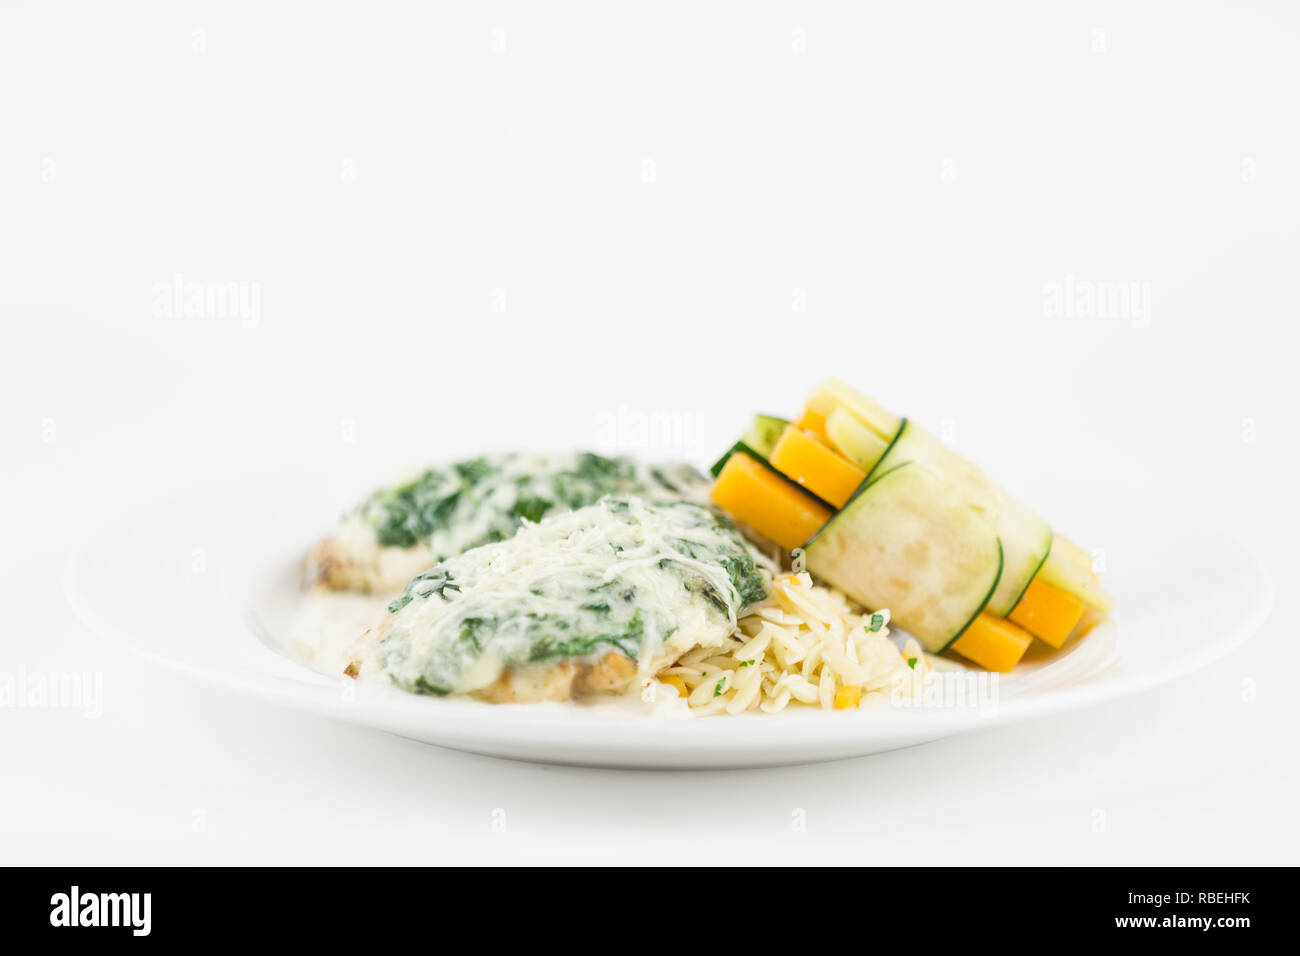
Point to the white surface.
(230, 622)
(912, 179)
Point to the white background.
(511, 224)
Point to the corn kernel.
(674, 681)
(847, 697)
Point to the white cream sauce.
(322, 634)
(644, 580)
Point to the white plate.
(207, 581)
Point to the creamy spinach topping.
(625, 575)
(485, 500)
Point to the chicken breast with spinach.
(586, 601)
(399, 531)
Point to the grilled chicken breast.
(399, 531)
(586, 601)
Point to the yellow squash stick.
(765, 501)
(812, 464)
(993, 643)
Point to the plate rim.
(647, 733)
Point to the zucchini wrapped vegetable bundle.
(892, 517)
